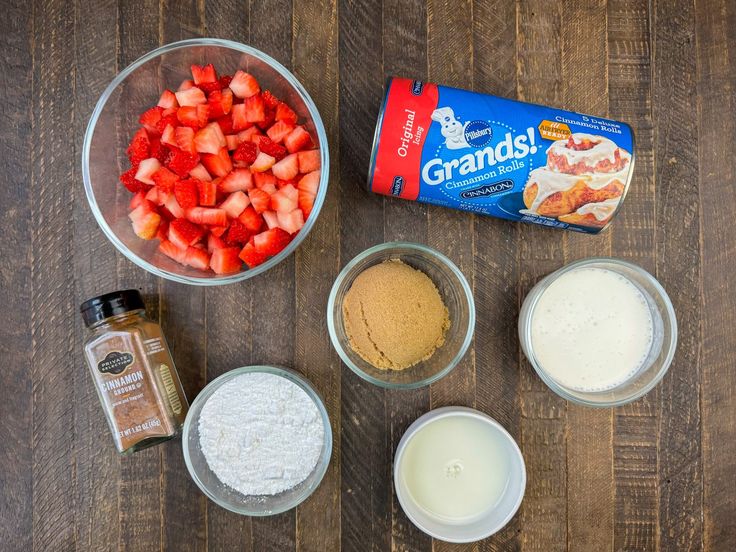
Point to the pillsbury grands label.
(500, 157)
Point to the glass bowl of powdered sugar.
(257, 440)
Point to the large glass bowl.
(115, 119)
(229, 498)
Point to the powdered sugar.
(261, 434)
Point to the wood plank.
(317, 264)
(633, 237)
(543, 414)
(16, 404)
(365, 449)
(716, 55)
(496, 259)
(678, 269)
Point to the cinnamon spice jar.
(133, 371)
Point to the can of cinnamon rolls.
(500, 157)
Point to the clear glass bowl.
(664, 342)
(455, 292)
(115, 119)
(229, 498)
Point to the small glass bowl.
(664, 342)
(115, 119)
(229, 498)
(455, 292)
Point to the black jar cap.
(110, 304)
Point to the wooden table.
(658, 474)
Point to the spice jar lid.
(110, 304)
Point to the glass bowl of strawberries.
(205, 162)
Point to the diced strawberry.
(220, 102)
(245, 152)
(225, 81)
(271, 241)
(232, 142)
(298, 139)
(145, 222)
(182, 162)
(173, 207)
(279, 130)
(182, 233)
(167, 120)
(290, 191)
(200, 173)
(286, 114)
(168, 136)
(251, 134)
(264, 179)
(164, 179)
(269, 116)
(309, 182)
(255, 109)
(172, 251)
(156, 196)
(287, 168)
(197, 258)
(209, 87)
(226, 124)
(167, 100)
(150, 119)
(269, 99)
(203, 73)
(184, 137)
(244, 85)
(146, 169)
(159, 151)
(226, 261)
(262, 163)
(235, 204)
(213, 242)
(251, 257)
(237, 234)
(191, 97)
(129, 181)
(185, 85)
(250, 219)
(270, 188)
(139, 147)
(291, 222)
(240, 119)
(218, 231)
(186, 193)
(137, 199)
(309, 161)
(266, 145)
(210, 139)
(283, 202)
(218, 164)
(281, 183)
(193, 116)
(259, 199)
(162, 233)
(207, 192)
(306, 202)
(237, 180)
(272, 220)
(206, 215)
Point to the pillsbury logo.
(478, 133)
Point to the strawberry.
(184, 137)
(264, 180)
(272, 220)
(298, 139)
(235, 204)
(162, 232)
(168, 100)
(266, 145)
(181, 162)
(306, 202)
(207, 192)
(244, 85)
(137, 199)
(129, 181)
(218, 164)
(146, 168)
(164, 179)
(173, 207)
(279, 130)
(226, 124)
(213, 242)
(232, 142)
(185, 85)
(218, 231)
(209, 87)
(309, 161)
(226, 261)
(251, 134)
(156, 196)
(172, 251)
(246, 152)
(193, 116)
(270, 188)
(238, 179)
(220, 102)
(255, 109)
(240, 118)
(284, 202)
(269, 116)
(151, 118)
(237, 234)
(291, 222)
(139, 147)
(191, 97)
(159, 151)
(309, 182)
(203, 73)
(209, 139)
(206, 215)
(250, 219)
(186, 193)
(197, 258)
(182, 233)
(271, 242)
(263, 162)
(165, 121)
(269, 99)
(145, 221)
(168, 136)
(251, 257)
(259, 199)
(200, 173)
(225, 81)
(287, 168)
(286, 114)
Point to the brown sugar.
(394, 316)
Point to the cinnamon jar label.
(115, 362)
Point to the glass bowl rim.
(441, 259)
(297, 379)
(525, 332)
(313, 113)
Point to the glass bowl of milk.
(599, 332)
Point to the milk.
(456, 468)
(591, 329)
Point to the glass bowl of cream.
(599, 332)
